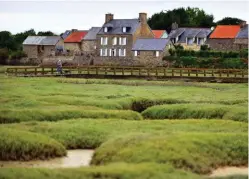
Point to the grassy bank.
(90, 133)
(22, 145)
(199, 153)
(197, 111)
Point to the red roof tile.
(158, 33)
(76, 36)
(225, 32)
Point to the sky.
(58, 16)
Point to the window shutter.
(124, 52)
(101, 52)
(105, 29)
(106, 52)
(120, 40)
(119, 52)
(114, 52)
(157, 53)
(106, 39)
(114, 40)
(124, 29)
(101, 39)
(135, 53)
(124, 41)
(110, 52)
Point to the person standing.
(59, 66)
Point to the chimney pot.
(143, 17)
(108, 17)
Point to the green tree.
(20, 37)
(47, 33)
(184, 17)
(7, 40)
(229, 21)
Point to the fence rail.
(129, 71)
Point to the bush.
(196, 152)
(21, 145)
(189, 61)
(172, 52)
(4, 54)
(196, 111)
(18, 55)
(10, 116)
(232, 63)
(205, 47)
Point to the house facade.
(150, 52)
(190, 38)
(89, 42)
(73, 41)
(117, 36)
(42, 46)
(160, 33)
(241, 40)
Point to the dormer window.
(105, 29)
(124, 29)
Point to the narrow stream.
(74, 158)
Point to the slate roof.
(190, 33)
(243, 33)
(150, 44)
(66, 34)
(91, 35)
(75, 37)
(41, 40)
(225, 32)
(116, 26)
(158, 33)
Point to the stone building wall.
(31, 51)
(88, 46)
(72, 46)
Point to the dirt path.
(74, 158)
(226, 171)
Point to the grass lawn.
(139, 129)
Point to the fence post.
(156, 72)
(204, 72)
(188, 72)
(220, 73)
(235, 74)
(227, 73)
(97, 70)
(88, 71)
(16, 71)
(131, 71)
(52, 70)
(172, 72)
(196, 72)
(42, 70)
(35, 71)
(114, 70)
(212, 72)
(139, 71)
(148, 72)
(242, 73)
(164, 72)
(123, 71)
(181, 72)
(105, 71)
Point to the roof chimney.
(242, 24)
(108, 17)
(174, 26)
(143, 17)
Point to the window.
(122, 52)
(103, 52)
(136, 53)
(200, 41)
(95, 47)
(104, 40)
(105, 29)
(112, 52)
(122, 40)
(114, 41)
(124, 29)
(157, 53)
(42, 47)
(189, 41)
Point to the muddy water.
(74, 158)
(227, 171)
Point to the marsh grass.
(23, 145)
(199, 153)
(196, 111)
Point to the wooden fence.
(128, 71)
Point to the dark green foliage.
(185, 17)
(18, 55)
(171, 52)
(229, 21)
(178, 47)
(205, 47)
(47, 33)
(4, 54)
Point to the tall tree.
(20, 37)
(184, 17)
(229, 21)
(7, 40)
(47, 33)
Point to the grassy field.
(140, 129)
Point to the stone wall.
(31, 51)
(88, 45)
(72, 46)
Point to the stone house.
(117, 36)
(42, 46)
(89, 42)
(150, 52)
(73, 41)
(190, 38)
(241, 40)
(160, 33)
(223, 37)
